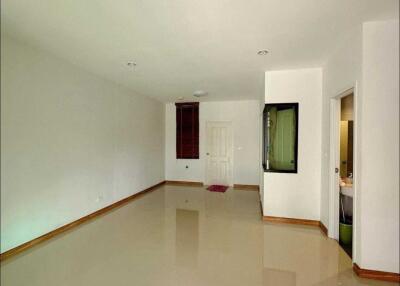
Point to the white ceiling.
(181, 46)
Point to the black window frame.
(295, 106)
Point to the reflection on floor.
(347, 248)
(185, 236)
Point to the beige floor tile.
(185, 236)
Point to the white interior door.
(219, 153)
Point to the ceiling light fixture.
(200, 93)
(262, 52)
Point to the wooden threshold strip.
(377, 275)
(27, 245)
(185, 183)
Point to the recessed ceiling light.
(200, 93)
(262, 52)
(131, 64)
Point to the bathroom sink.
(347, 190)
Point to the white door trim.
(334, 159)
(333, 228)
(230, 176)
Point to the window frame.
(295, 106)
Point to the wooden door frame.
(230, 126)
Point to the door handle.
(336, 170)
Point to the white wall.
(368, 57)
(297, 195)
(244, 116)
(261, 103)
(379, 186)
(341, 71)
(71, 143)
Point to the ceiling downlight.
(262, 52)
(200, 93)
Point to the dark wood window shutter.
(187, 130)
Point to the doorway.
(219, 151)
(342, 214)
(346, 173)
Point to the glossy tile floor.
(185, 236)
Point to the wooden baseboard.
(246, 187)
(291, 220)
(27, 245)
(323, 228)
(185, 183)
(297, 221)
(377, 275)
(363, 273)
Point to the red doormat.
(217, 188)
